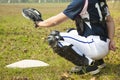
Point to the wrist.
(36, 24)
(111, 38)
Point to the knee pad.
(53, 38)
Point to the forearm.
(110, 27)
(111, 32)
(47, 23)
(53, 21)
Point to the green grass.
(20, 40)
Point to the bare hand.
(112, 45)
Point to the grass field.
(20, 40)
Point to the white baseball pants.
(92, 46)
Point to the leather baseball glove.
(32, 14)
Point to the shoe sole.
(102, 66)
(94, 72)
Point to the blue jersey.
(93, 12)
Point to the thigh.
(81, 43)
(99, 48)
(74, 38)
(102, 48)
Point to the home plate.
(27, 64)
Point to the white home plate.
(27, 64)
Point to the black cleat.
(89, 69)
(85, 70)
(100, 63)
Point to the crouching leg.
(66, 50)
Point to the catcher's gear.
(32, 14)
(66, 51)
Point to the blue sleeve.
(74, 8)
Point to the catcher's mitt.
(32, 14)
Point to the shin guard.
(68, 53)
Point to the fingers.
(113, 48)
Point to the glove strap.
(36, 24)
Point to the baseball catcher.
(89, 43)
